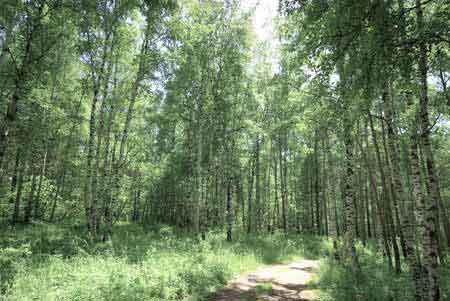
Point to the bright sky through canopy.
(263, 20)
(265, 12)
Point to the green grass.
(375, 281)
(49, 262)
(264, 288)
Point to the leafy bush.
(10, 259)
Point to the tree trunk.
(276, 209)
(430, 241)
(349, 208)
(29, 207)
(95, 218)
(16, 213)
(257, 184)
(229, 209)
(386, 208)
(198, 170)
(123, 141)
(240, 197)
(378, 204)
(311, 195)
(89, 200)
(41, 177)
(316, 185)
(15, 174)
(59, 189)
(283, 178)
(409, 221)
(90, 210)
(325, 166)
(389, 172)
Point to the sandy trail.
(276, 282)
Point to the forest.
(158, 149)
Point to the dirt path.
(277, 282)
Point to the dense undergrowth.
(48, 262)
(375, 281)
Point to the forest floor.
(281, 282)
(58, 262)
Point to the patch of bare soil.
(274, 283)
